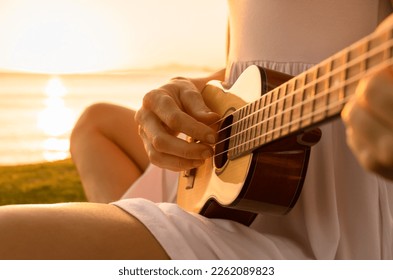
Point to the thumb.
(195, 106)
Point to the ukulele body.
(268, 179)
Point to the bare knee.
(92, 121)
(103, 119)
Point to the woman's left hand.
(369, 122)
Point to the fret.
(336, 81)
(240, 134)
(254, 127)
(262, 125)
(245, 129)
(248, 127)
(324, 69)
(338, 61)
(267, 123)
(280, 112)
(245, 143)
(377, 40)
(244, 132)
(239, 130)
(358, 65)
(275, 115)
(234, 138)
(356, 61)
(251, 127)
(287, 110)
(308, 97)
(334, 98)
(300, 82)
(376, 58)
(320, 97)
(358, 50)
(235, 132)
(258, 121)
(388, 49)
(349, 89)
(296, 109)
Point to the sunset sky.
(59, 36)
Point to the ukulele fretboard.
(311, 98)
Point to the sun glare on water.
(55, 120)
(61, 37)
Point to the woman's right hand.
(174, 108)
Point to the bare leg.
(107, 151)
(74, 231)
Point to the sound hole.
(222, 146)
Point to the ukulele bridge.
(190, 175)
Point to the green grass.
(50, 182)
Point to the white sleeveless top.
(293, 35)
(343, 212)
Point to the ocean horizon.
(37, 111)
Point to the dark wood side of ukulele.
(276, 176)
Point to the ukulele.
(268, 126)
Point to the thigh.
(74, 231)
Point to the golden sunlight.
(65, 36)
(55, 88)
(115, 51)
(56, 120)
(55, 149)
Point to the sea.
(38, 111)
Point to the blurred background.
(59, 56)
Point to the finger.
(164, 142)
(367, 159)
(371, 140)
(165, 107)
(181, 148)
(169, 161)
(375, 94)
(194, 105)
